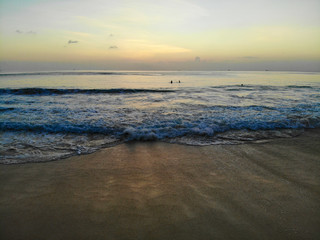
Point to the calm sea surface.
(51, 115)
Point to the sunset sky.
(160, 35)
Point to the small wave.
(232, 137)
(242, 108)
(50, 91)
(4, 109)
(295, 86)
(249, 87)
(245, 87)
(77, 73)
(56, 128)
(159, 124)
(22, 142)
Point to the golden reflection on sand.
(157, 190)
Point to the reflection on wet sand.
(168, 191)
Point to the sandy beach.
(154, 190)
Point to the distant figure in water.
(241, 85)
(171, 82)
(179, 81)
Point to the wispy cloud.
(29, 32)
(71, 42)
(197, 59)
(113, 47)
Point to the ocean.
(47, 116)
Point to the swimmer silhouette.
(171, 82)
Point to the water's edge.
(282, 134)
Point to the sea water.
(51, 115)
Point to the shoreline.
(157, 190)
(244, 137)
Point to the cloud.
(111, 35)
(197, 59)
(71, 41)
(29, 32)
(113, 47)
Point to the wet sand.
(156, 190)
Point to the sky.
(160, 35)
